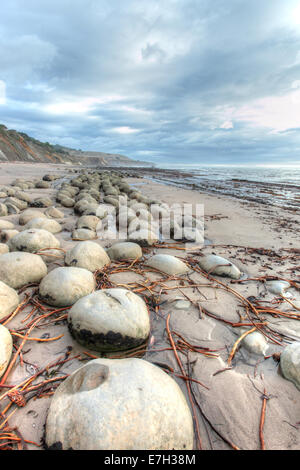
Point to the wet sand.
(262, 241)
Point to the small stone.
(167, 264)
(125, 404)
(6, 345)
(90, 222)
(18, 269)
(44, 223)
(88, 255)
(219, 266)
(34, 240)
(124, 251)
(290, 363)
(278, 287)
(62, 287)
(254, 342)
(110, 320)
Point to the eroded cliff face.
(17, 146)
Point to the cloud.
(170, 80)
(2, 92)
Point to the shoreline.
(263, 242)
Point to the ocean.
(276, 185)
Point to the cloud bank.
(190, 81)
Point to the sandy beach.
(206, 311)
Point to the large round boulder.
(45, 224)
(124, 251)
(30, 214)
(88, 255)
(220, 266)
(18, 269)
(119, 404)
(6, 345)
(167, 264)
(83, 234)
(290, 363)
(34, 240)
(9, 300)
(63, 286)
(110, 320)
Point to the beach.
(239, 399)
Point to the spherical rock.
(89, 222)
(6, 345)
(124, 250)
(124, 404)
(54, 213)
(30, 214)
(220, 266)
(290, 363)
(167, 264)
(62, 287)
(110, 320)
(34, 240)
(44, 223)
(143, 237)
(88, 255)
(18, 269)
(83, 234)
(9, 300)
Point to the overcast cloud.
(192, 81)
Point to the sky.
(166, 81)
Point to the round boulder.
(290, 363)
(64, 286)
(124, 250)
(19, 268)
(124, 404)
(88, 255)
(167, 264)
(220, 266)
(9, 300)
(34, 240)
(44, 223)
(110, 320)
(6, 345)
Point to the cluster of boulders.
(139, 406)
